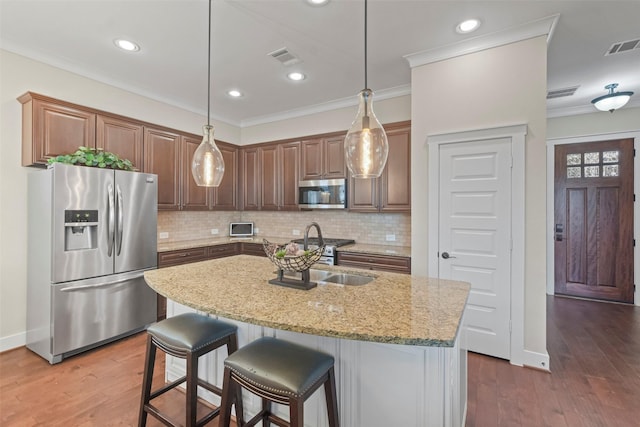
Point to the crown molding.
(70, 67)
(539, 27)
(326, 106)
(584, 109)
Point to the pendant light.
(207, 165)
(613, 100)
(366, 147)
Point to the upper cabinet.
(270, 176)
(51, 128)
(323, 158)
(120, 136)
(162, 157)
(225, 197)
(391, 192)
(192, 196)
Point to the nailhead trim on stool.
(278, 372)
(187, 336)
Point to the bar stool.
(279, 372)
(187, 336)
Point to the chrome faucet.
(306, 235)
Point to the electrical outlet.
(391, 237)
(296, 232)
(214, 231)
(256, 230)
(164, 235)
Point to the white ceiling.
(172, 63)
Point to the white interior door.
(475, 236)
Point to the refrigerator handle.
(119, 224)
(110, 220)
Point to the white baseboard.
(536, 360)
(13, 341)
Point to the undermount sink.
(348, 279)
(314, 275)
(345, 279)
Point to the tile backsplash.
(366, 228)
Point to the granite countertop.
(403, 251)
(212, 241)
(393, 308)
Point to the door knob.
(445, 255)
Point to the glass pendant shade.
(366, 146)
(207, 165)
(613, 100)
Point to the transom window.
(593, 164)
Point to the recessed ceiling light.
(235, 93)
(296, 76)
(127, 45)
(317, 2)
(468, 26)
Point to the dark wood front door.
(594, 220)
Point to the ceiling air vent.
(621, 47)
(560, 93)
(285, 56)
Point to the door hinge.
(634, 243)
(510, 326)
(634, 197)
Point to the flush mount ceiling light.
(366, 147)
(296, 76)
(468, 26)
(234, 93)
(207, 165)
(127, 45)
(613, 100)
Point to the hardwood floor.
(595, 380)
(97, 388)
(595, 373)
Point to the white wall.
(17, 76)
(387, 110)
(596, 123)
(496, 87)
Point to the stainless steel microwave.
(322, 194)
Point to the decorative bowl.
(291, 262)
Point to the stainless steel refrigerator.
(91, 236)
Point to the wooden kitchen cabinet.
(391, 192)
(323, 158)
(394, 264)
(122, 137)
(269, 179)
(250, 248)
(289, 173)
(51, 127)
(162, 157)
(225, 196)
(270, 176)
(221, 251)
(192, 197)
(250, 178)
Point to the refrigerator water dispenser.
(80, 229)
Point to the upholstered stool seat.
(187, 336)
(280, 372)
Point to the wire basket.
(289, 262)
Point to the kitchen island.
(400, 356)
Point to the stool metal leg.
(149, 363)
